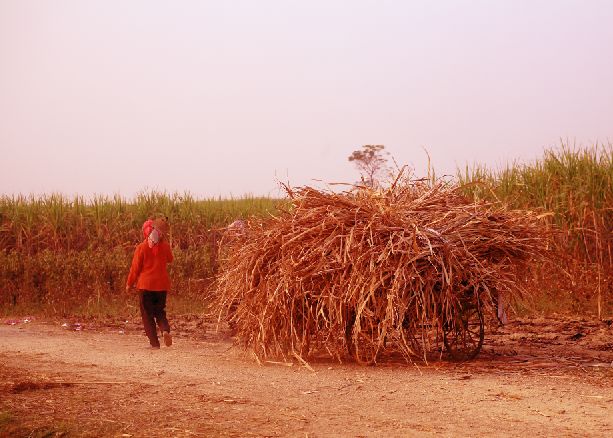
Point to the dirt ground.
(534, 377)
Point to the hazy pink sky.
(225, 97)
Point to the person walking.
(149, 275)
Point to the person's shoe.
(153, 347)
(167, 339)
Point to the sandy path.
(206, 387)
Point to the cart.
(460, 334)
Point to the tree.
(371, 162)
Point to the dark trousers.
(153, 310)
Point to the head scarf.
(153, 232)
(154, 238)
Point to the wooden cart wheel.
(415, 337)
(463, 334)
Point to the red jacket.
(148, 270)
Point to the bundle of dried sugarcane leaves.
(370, 271)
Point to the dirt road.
(535, 377)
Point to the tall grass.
(57, 253)
(574, 184)
(31, 224)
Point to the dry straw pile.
(369, 271)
